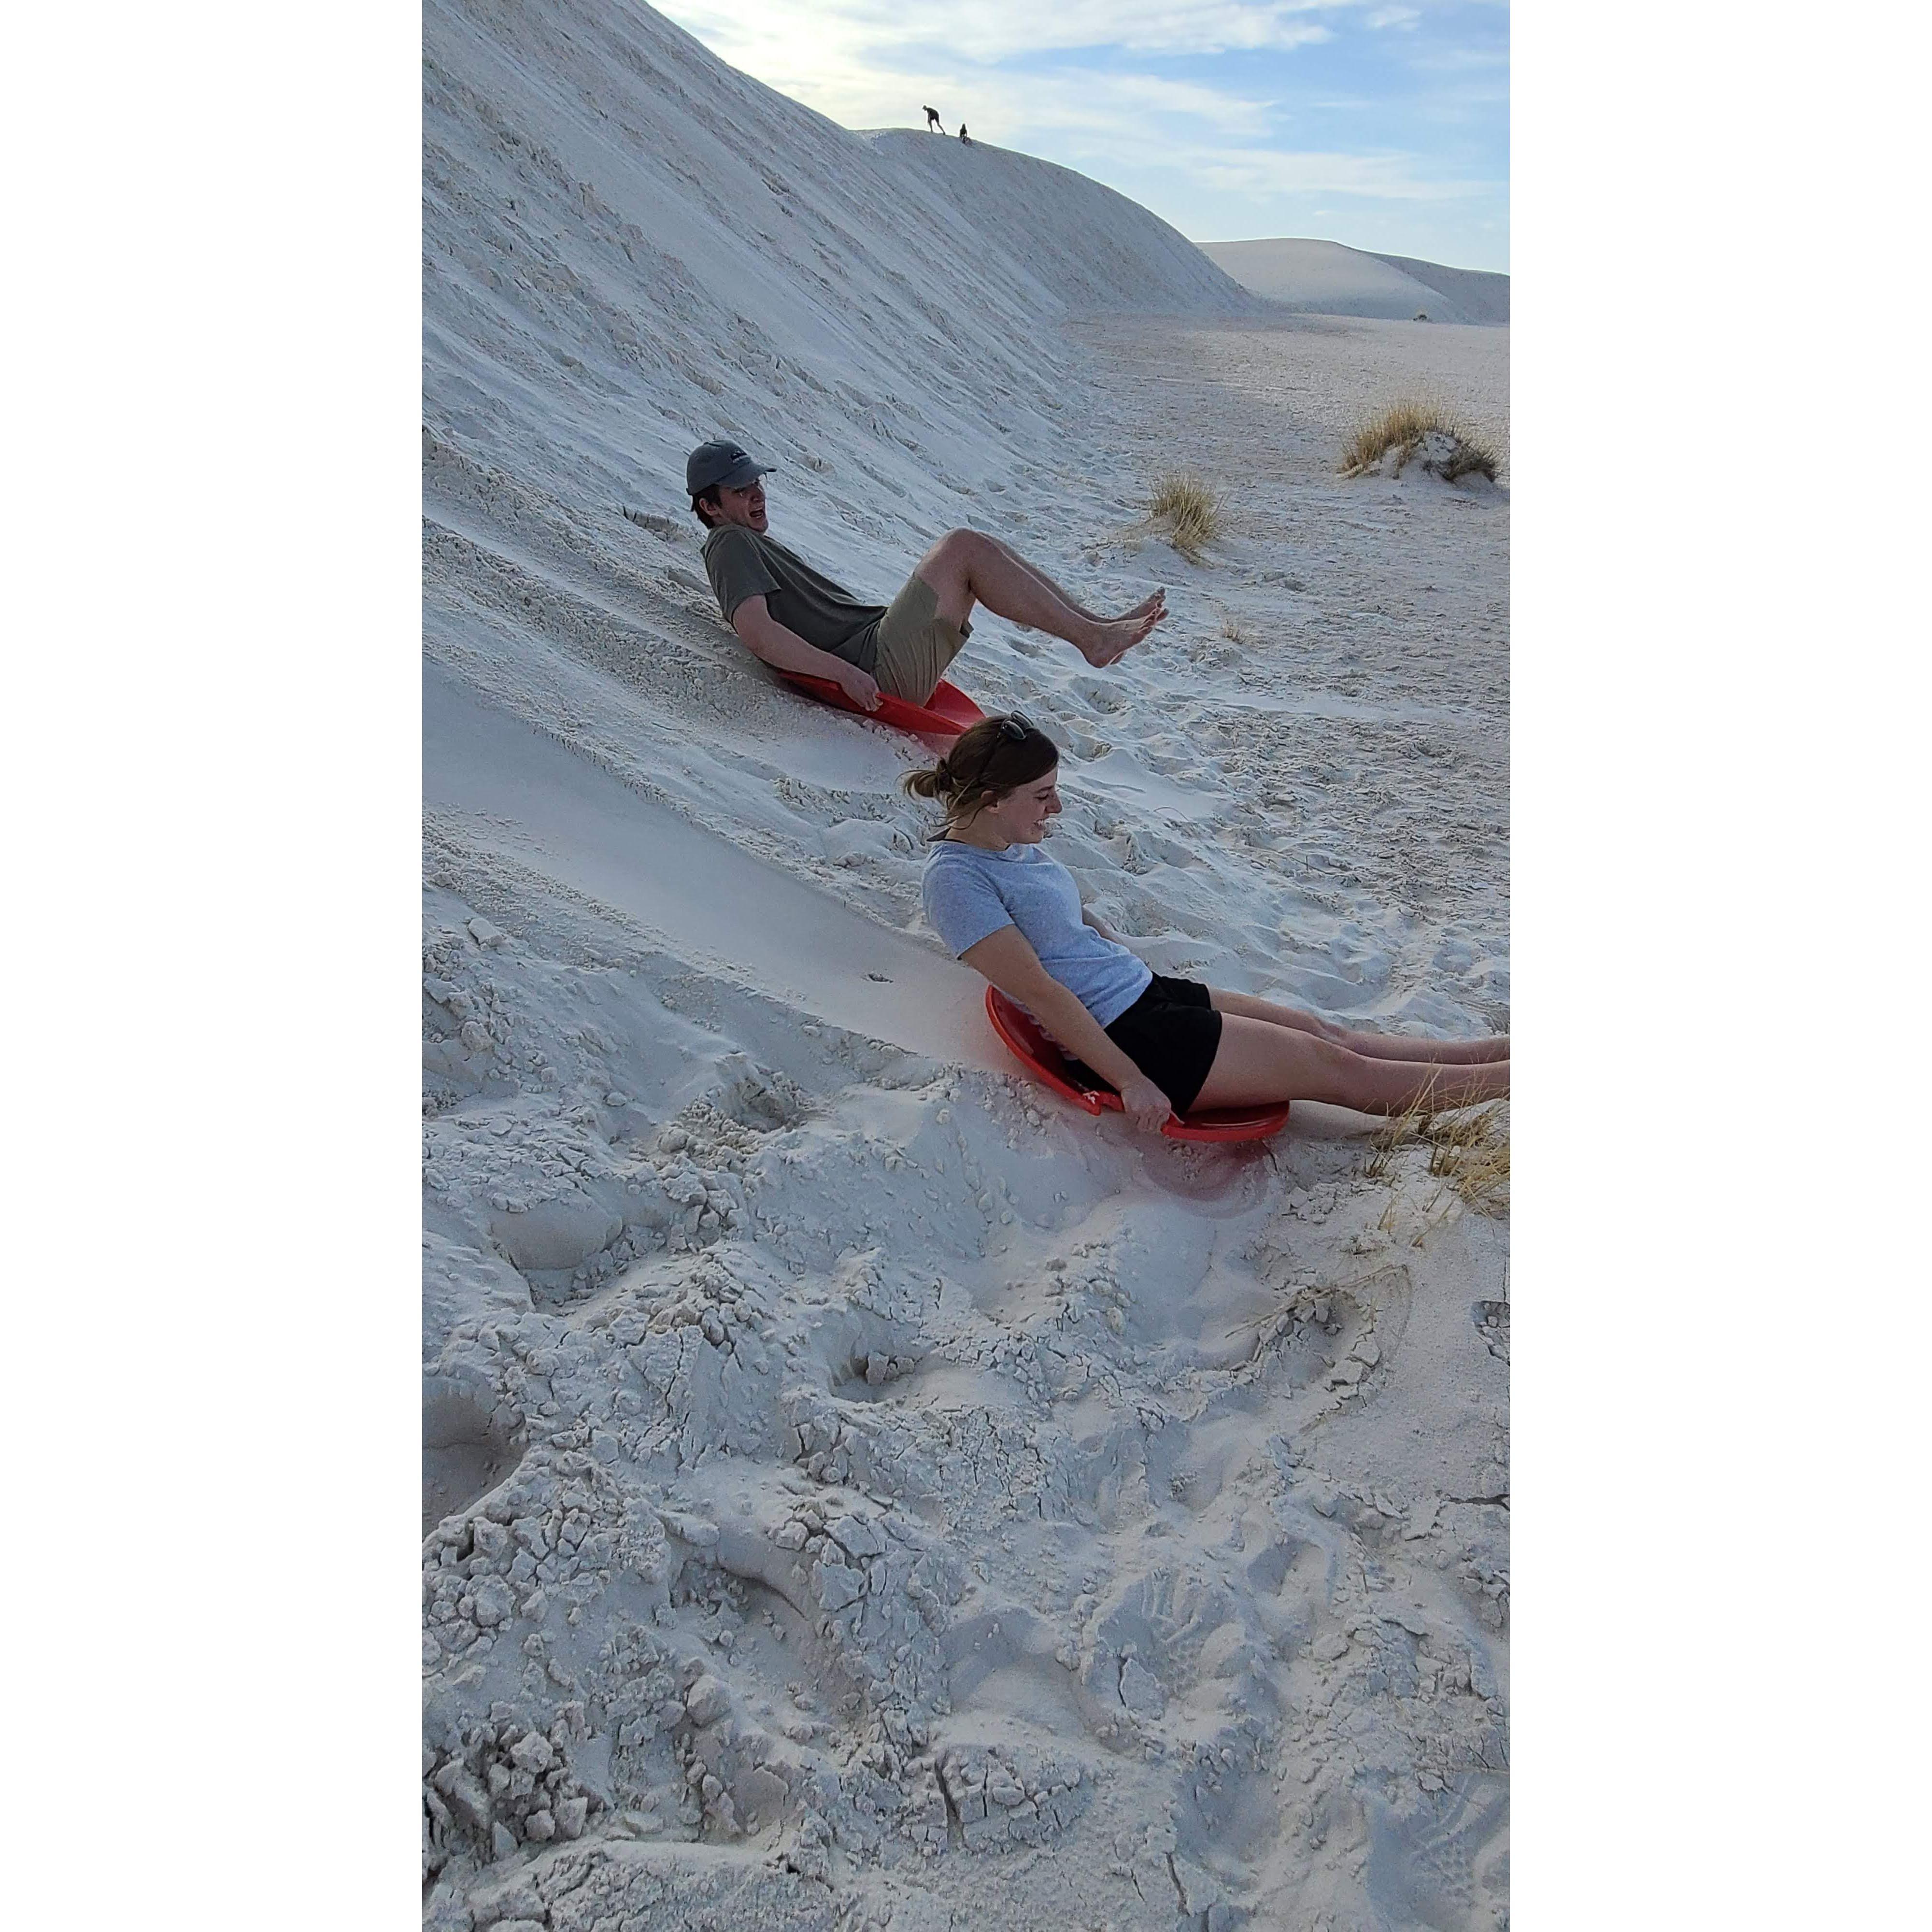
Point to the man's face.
(746, 506)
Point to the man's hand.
(767, 639)
(1145, 1105)
(862, 690)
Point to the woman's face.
(1021, 816)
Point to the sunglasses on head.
(1015, 728)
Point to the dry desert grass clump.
(1402, 425)
(1190, 511)
(1469, 1151)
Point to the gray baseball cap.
(722, 463)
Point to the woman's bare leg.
(1259, 1060)
(1370, 1046)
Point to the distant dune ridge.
(1326, 278)
(1481, 294)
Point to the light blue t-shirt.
(970, 892)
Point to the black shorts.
(1171, 1034)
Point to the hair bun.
(984, 763)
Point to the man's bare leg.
(1370, 1046)
(1156, 601)
(966, 567)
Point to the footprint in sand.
(468, 1448)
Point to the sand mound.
(1437, 453)
(1422, 438)
(1325, 278)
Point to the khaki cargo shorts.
(915, 643)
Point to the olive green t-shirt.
(743, 563)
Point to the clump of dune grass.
(1468, 1151)
(1190, 511)
(1402, 426)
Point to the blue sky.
(1384, 123)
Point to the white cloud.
(876, 63)
(1272, 171)
(996, 29)
(833, 68)
(899, 31)
(1124, 106)
(1200, 134)
(1461, 60)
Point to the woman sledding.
(1014, 915)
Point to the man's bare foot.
(1114, 639)
(1158, 601)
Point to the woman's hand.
(1145, 1105)
(861, 689)
(1006, 959)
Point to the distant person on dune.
(1014, 915)
(932, 120)
(785, 613)
(962, 134)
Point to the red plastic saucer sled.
(946, 714)
(1044, 1061)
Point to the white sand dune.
(848, 1473)
(1326, 278)
(1095, 249)
(1473, 295)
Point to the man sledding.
(800, 622)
